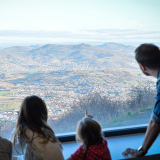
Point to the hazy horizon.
(134, 44)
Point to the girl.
(94, 144)
(33, 132)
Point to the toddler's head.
(89, 132)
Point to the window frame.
(108, 132)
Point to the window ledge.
(118, 144)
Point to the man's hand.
(152, 132)
(132, 152)
(87, 116)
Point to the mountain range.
(67, 57)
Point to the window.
(77, 55)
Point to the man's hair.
(148, 55)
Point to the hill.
(67, 57)
(117, 47)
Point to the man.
(5, 149)
(148, 58)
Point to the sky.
(79, 21)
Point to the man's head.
(148, 56)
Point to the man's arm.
(152, 132)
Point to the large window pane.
(77, 56)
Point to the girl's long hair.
(33, 115)
(89, 132)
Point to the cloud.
(32, 33)
(121, 32)
(103, 35)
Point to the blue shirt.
(155, 116)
